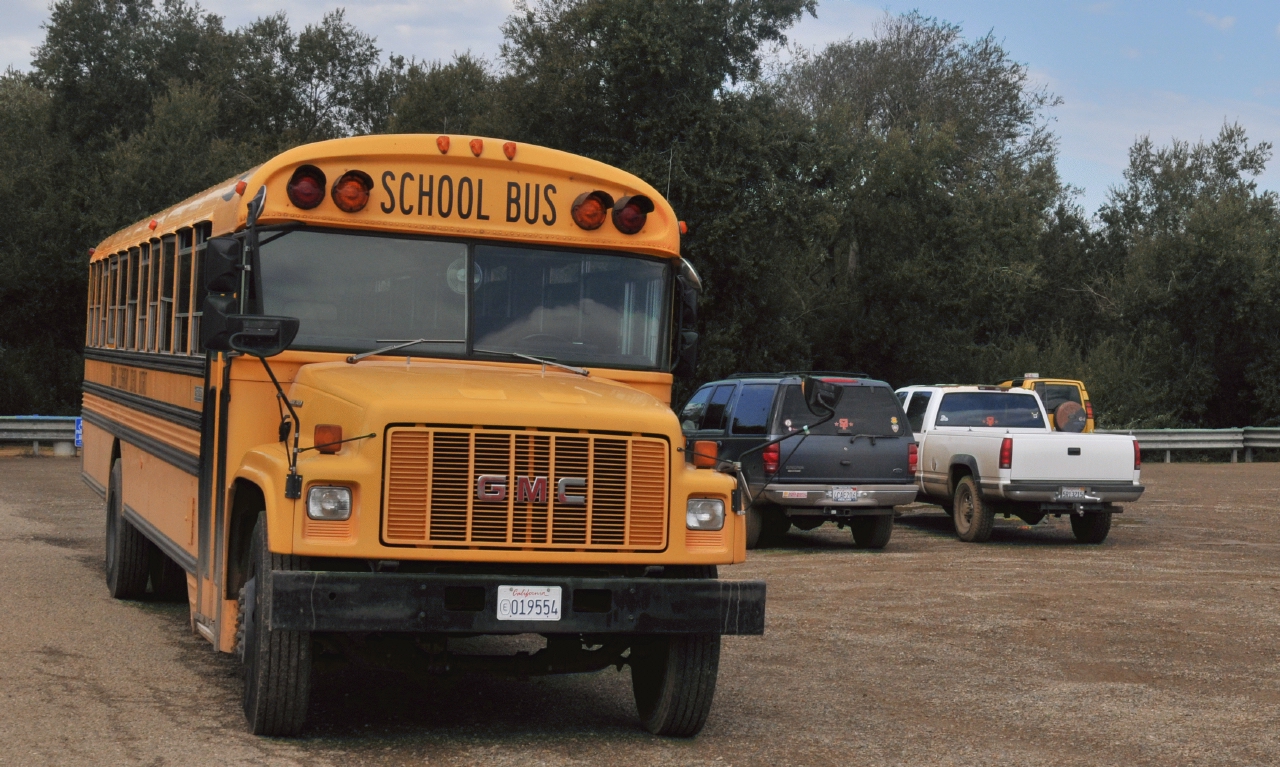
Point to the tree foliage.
(888, 204)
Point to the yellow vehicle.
(1054, 392)
(414, 387)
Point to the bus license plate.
(844, 494)
(1072, 493)
(528, 603)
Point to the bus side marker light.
(351, 191)
(477, 146)
(306, 187)
(92, 251)
(329, 502)
(326, 437)
(684, 228)
(442, 143)
(589, 209)
(241, 185)
(629, 213)
(152, 226)
(509, 149)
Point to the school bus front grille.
(432, 495)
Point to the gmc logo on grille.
(493, 487)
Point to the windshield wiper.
(354, 358)
(540, 360)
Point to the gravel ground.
(1158, 647)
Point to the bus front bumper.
(467, 604)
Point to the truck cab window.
(915, 410)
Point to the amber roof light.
(351, 192)
(590, 209)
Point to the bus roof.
(424, 184)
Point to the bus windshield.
(354, 292)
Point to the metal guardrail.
(1247, 439)
(62, 431)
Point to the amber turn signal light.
(351, 192)
(705, 454)
(327, 434)
(241, 185)
(306, 187)
(629, 213)
(590, 209)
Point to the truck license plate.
(844, 493)
(528, 603)
(1073, 493)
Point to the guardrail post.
(35, 448)
(1168, 455)
(1233, 456)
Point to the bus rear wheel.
(128, 551)
(276, 665)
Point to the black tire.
(755, 525)
(973, 517)
(776, 525)
(128, 551)
(168, 579)
(1092, 527)
(673, 677)
(872, 532)
(276, 665)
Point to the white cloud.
(1221, 23)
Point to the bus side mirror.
(686, 347)
(821, 396)
(222, 267)
(215, 330)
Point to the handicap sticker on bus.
(79, 432)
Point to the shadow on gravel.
(1050, 532)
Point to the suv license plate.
(844, 494)
(528, 603)
(1073, 493)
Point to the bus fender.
(267, 468)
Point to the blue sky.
(1123, 69)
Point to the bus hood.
(480, 394)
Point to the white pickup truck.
(985, 450)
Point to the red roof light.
(306, 187)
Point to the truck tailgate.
(1061, 456)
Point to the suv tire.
(871, 532)
(972, 516)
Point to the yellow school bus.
(414, 386)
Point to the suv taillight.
(1006, 453)
(1088, 410)
(1137, 456)
(913, 458)
(770, 456)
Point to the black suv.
(851, 468)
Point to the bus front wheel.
(276, 665)
(127, 560)
(674, 679)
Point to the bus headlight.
(704, 514)
(329, 502)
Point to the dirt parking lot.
(1158, 647)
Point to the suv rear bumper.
(818, 497)
(1051, 492)
(467, 604)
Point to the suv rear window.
(990, 409)
(871, 410)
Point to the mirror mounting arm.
(293, 482)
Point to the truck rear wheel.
(973, 517)
(872, 532)
(128, 551)
(276, 665)
(1091, 527)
